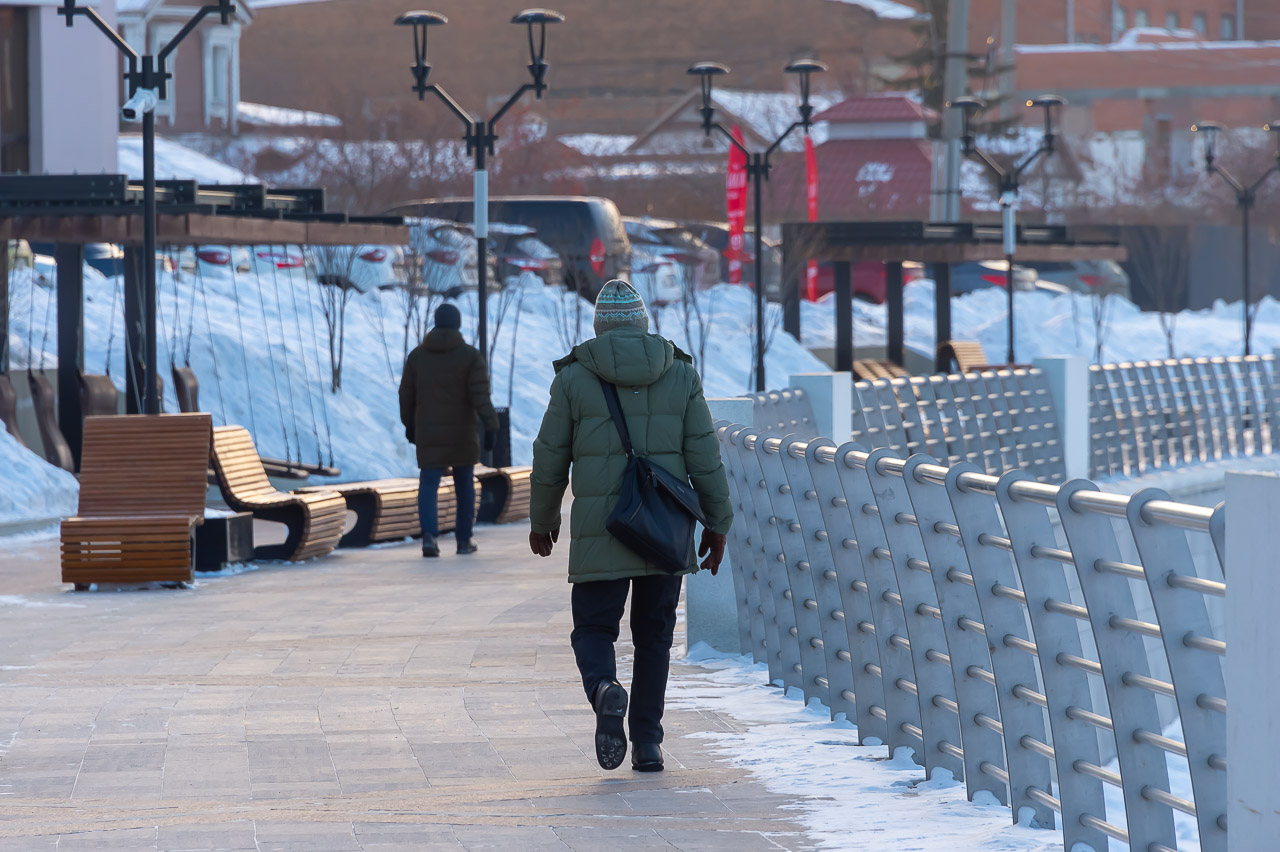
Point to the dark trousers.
(597, 611)
(464, 487)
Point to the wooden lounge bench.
(314, 519)
(9, 408)
(967, 355)
(387, 509)
(56, 449)
(867, 368)
(142, 492)
(504, 494)
(98, 396)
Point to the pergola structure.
(939, 244)
(74, 210)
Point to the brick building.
(1105, 21)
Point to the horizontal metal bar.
(913, 730)
(1009, 593)
(867, 627)
(935, 656)
(1079, 663)
(1142, 681)
(848, 696)
(919, 565)
(873, 669)
(821, 681)
(1091, 821)
(999, 542)
(1093, 770)
(860, 586)
(1209, 702)
(1204, 643)
(1124, 569)
(955, 575)
(971, 625)
(1218, 762)
(986, 767)
(985, 721)
(891, 597)
(929, 610)
(1082, 715)
(1198, 584)
(844, 656)
(1145, 628)
(1034, 745)
(1035, 794)
(1162, 797)
(879, 712)
(981, 674)
(906, 686)
(950, 749)
(1153, 739)
(1063, 608)
(946, 704)
(1055, 554)
(1011, 641)
(1028, 694)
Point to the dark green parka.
(669, 423)
(444, 387)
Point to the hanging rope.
(271, 356)
(111, 317)
(382, 333)
(160, 317)
(248, 382)
(306, 368)
(324, 397)
(44, 340)
(177, 305)
(284, 337)
(213, 357)
(191, 318)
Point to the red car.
(868, 280)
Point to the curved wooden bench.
(504, 494)
(967, 355)
(98, 396)
(867, 368)
(314, 519)
(142, 490)
(9, 408)
(57, 451)
(387, 509)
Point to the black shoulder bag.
(656, 511)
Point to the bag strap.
(615, 411)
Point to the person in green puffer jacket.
(667, 416)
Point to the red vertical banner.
(736, 204)
(811, 192)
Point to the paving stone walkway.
(371, 700)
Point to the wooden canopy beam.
(199, 229)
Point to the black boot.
(610, 704)
(646, 757)
(429, 546)
(467, 546)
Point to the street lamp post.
(1246, 197)
(758, 167)
(148, 80)
(1009, 180)
(480, 133)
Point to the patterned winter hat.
(619, 305)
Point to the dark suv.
(586, 232)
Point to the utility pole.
(1008, 40)
(954, 84)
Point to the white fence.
(992, 626)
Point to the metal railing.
(786, 411)
(1013, 633)
(1151, 415)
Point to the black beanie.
(448, 316)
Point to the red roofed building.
(876, 162)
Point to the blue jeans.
(464, 486)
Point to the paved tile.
(367, 702)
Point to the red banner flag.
(811, 190)
(736, 203)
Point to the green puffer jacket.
(669, 422)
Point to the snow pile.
(30, 488)
(176, 162)
(265, 115)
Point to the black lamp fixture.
(147, 79)
(1008, 179)
(481, 134)
(758, 166)
(1246, 198)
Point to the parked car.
(362, 268)
(215, 260)
(967, 277)
(654, 272)
(1086, 276)
(716, 235)
(698, 262)
(586, 232)
(518, 256)
(868, 279)
(446, 251)
(107, 258)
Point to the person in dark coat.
(445, 387)
(661, 398)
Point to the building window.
(1200, 23)
(1228, 28)
(1140, 18)
(161, 35)
(15, 113)
(1171, 20)
(221, 82)
(1118, 20)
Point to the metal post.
(1010, 359)
(893, 301)
(844, 317)
(791, 297)
(955, 78)
(4, 306)
(152, 405)
(1245, 203)
(480, 218)
(70, 260)
(757, 174)
(941, 311)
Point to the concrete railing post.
(711, 613)
(1068, 377)
(831, 396)
(1253, 660)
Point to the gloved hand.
(712, 543)
(540, 543)
(490, 440)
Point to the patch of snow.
(23, 601)
(274, 116)
(597, 144)
(886, 9)
(771, 113)
(176, 162)
(31, 489)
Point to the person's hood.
(626, 356)
(442, 339)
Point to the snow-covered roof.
(886, 9)
(597, 144)
(771, 113)
(144, 8)
(1147, 45)
(274, 116)
(176, 162)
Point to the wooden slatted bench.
(387, 509)
(314, 519)
(868, 368)
(142, 490)
(504, 494)
(967, 355)
(9, 407)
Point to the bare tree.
(1159, 260)
(697, 312)
(331, 267)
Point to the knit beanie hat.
(448, 316)
(619, 305)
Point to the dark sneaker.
(646, 757)
(467, 546)
(429, 546)
(611, 742)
